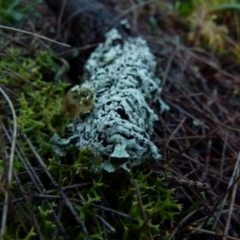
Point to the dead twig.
(10, 163)
(235, 176)
(139, 198)
(35, 180)
(34, 34)
(211, 232)
(56, 185)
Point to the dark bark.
(87, 20)
(84, 22)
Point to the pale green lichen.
(121, 74)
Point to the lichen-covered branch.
(121, 75)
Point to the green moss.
(12, 11)
(29, 82)
(35, 83)
(157, 201)
(118, 190)
(37, 96)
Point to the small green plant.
(38, 101)
(205, 29)
(29, 235)
(12, 11)
(121, 193)
(157, 203)
(28, 77)
(212, 25)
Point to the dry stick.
(34, 34)
(236, 18)
(180, 224)
(29, 169)
(234, 176)
(230, 184)
(25, 163)
(59, 216)
(3, 154)
(183, 181)
(168, 68)
(114, 212)
(176, 106)
(139, 198)
(214, 209)
(175, 131)
(212, 171)
(21, 66)
(206, 206)
(212, 117)
(63, 54)
(164, 148)
(59, 20)
(104, 222)
(186, 149)
(37, 182)
(128, 11)
(73, 15)
(19, 76)
(94, 205)
(41, 196)
(134, 16)
(15, 60)
(211, 232)
(10, 165)
(105, 204)
(196, 56)
(200, 220)
(51, 191)
(206, 165)
(67, 202)
(4, 159)
(223, 154)
(24, 198)
(166, 129)
(220, 200)
(29, 205)
(103, 214)
(145, 222)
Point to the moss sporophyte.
(77, 100)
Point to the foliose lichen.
(121, 75)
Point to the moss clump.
(157, 202)
(36, 96)
(117, 192)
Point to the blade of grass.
(10, 164)
(226, 6)
(34, 34)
